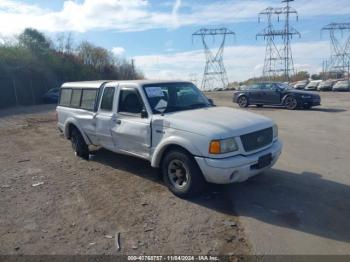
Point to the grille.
(258, 139)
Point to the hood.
(214, 122)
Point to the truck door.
(131, 128)
(104, 118)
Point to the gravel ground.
(54, 203)
(299, 207)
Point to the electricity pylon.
(279, 60)
(215, 75)
(273, 59)
(339, 60)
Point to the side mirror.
(211, 101)
(144, 113)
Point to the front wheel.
(181, 174)
(243, 101)
(291, 103)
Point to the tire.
(306, 106)
(181, 174)
(260, 105)
(79, 146)
(290, 103)
(243, 101)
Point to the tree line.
(32, 63)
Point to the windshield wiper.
(167, 109)
(197, 105)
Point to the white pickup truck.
(171, 124)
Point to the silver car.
(313, 85)
(301, 84)
(343, 85)
(326, 85)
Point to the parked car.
(51, 96)
(343, 85)
(312, 86)
(260, 94)
(301, 84)
(173, 126)
(242, 87)
(326, 85)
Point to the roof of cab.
(99, 83)
(85, 84)
(146, 82)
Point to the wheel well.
(71, 127)
(290, 95)
(173, 147)
(243, 95)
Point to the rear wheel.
(243, 101)
(181, 174)
(291, 103)
(260, 105)
(306, 106)
(79, 146)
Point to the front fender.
(237, 96)
(72, 121)
(173, 141)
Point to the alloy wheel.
(178, 173)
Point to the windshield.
(171, 97)
(342, 83)
(326, 83)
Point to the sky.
(157, 34)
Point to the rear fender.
(73, 122)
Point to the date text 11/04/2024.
(173, 258)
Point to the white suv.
(171, 124)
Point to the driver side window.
(130, 102)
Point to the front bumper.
(316, 101)
(341, 89)
(237, 168)
(324, 88)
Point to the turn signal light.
(215, 147)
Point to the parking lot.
(300, 207)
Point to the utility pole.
(215, 75)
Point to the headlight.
(275, 131)
(223, 146)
